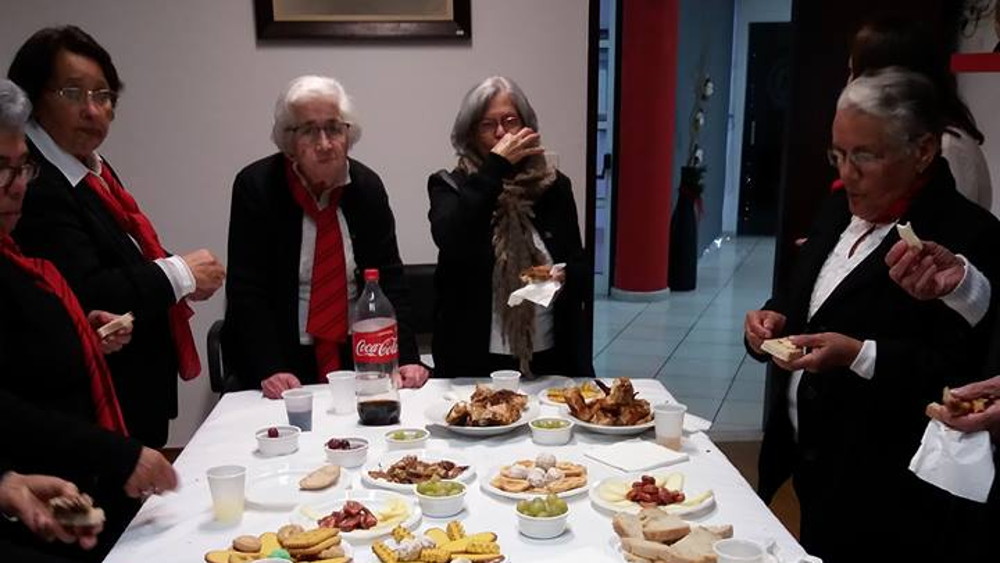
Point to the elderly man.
(59, 410)
(304, 223)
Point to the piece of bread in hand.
(536, 274)
(76, 511)
(782, 348)
(958, 407)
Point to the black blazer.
(856, 433)
(461, 217)
(70, 226)
(261, 335)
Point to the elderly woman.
(55, 380)
(79, 215)
(502, 210)
(846, 417)
(305, 222)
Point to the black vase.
(682, 272)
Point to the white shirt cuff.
(971, 297)
(180, 276)
(864, 364)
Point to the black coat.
(461, 222)
(261, 334)
(70, 226)
(856, 436)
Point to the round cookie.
(247, 544)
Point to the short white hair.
(305, 88)
(905, 100)
(15, 108)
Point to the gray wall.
(200, 94)
(705, 42)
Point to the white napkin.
(959, 463)
(541, 293)
(635, 455)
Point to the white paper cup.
(735, 550)
(227, 484)
(506, 379)
(343, 386)
(299, 406)
(669, 422)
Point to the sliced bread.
(646, 549)
(627, 525)
(665, 528)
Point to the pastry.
(247, 544)
(320, 479)
(76, 510)
(782, 348)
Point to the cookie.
(313, 551)
(269, 542)
(287, 531)
(320, 479)
(247, 544)
(310, 538)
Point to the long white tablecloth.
(180, 527)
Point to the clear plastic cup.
(734, 550)
(227, 484)
(669, 423)
(299, 406)
(343, 386)
(506, 379)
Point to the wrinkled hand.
(928, 273)
(153, 475)
(516, 146)
(208, 273)
(827, 350)
(762, 325)
(988, 420)
(282, 381)
(27, 496)
(114, 341)
(411, 376)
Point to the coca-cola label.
(376, 347)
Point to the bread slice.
(782, 348)
(635, 558)
(665, 528)
(320, 479)
(724, 531)
(647, 549)
(627, 525)
(696, 547)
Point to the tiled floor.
(693, 341)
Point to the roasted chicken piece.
(487, 407)
(619, 408)
(409, 470)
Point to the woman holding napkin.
(501, 213)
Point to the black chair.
(420, 280)
(220, 378)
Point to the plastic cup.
(735, 550)
(343, 386)
(506, 379)
(669, 422)
(299, 406)
(228, 486)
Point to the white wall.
(981, 90)
(747, 12)
(200, 93)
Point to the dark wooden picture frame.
(458, 29)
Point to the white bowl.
(551, 436)
(287, 441)
(542, 528)
(442, 507)
(416, 442)
(353, 457)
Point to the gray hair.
(905, 100)
(305, 88)
(15, 109)
(474, 105)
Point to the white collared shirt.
(308, 251)
(174, 267)
(544, 337)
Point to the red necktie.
(102, 389)
(327, 321)
(131, 219)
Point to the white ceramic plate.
(486, 485)
(437, 411)
(307, 514)
(276, 485)
(426, 455)
(633, 508)
(612, 430)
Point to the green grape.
(559, 506)
(522, 506)
(537, 504)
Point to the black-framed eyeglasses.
(102, 97)
(510, 124)
(10, 174)
(313, 131)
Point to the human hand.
(411, 376)
(928, 273)
(152, 475)
(762, 325)
(276, 384)
(988, 419)
(515, 146)
(208, 273)
(117, 339)
(27, 496)
(827, 350)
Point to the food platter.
(405, 512)
(422, 455)
(486, 484)
(612, 430)
(437, 411)
(607, 494)
(276, 485)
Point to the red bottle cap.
(371, 274)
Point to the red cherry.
(272, 432)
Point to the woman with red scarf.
(79, 215)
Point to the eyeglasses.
(510, 124)
(10, 174)
(103, 98)
(313, 131)
(864, 160)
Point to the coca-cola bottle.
(376, 354)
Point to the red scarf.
(48, 278)
(130, 219)
(327, 321)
